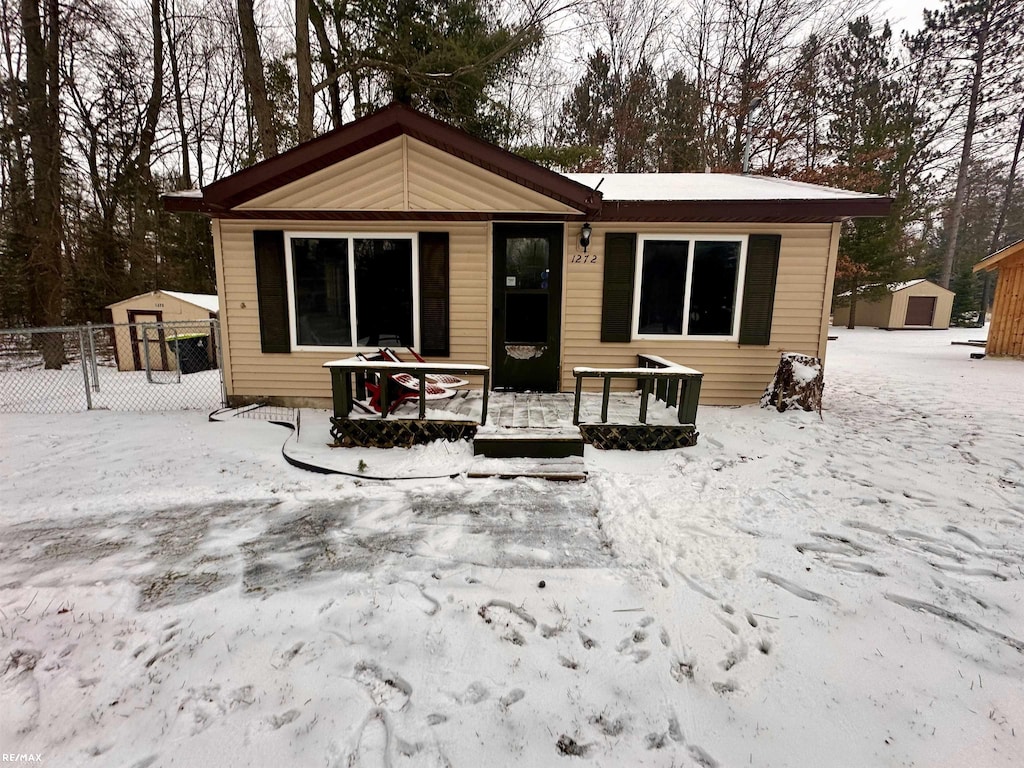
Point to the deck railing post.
(576, 400)
(487, 389)
(645, 392)
(606, 394)
(385, 401)
(423, 396)
(688, 400)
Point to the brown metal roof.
(370, 131)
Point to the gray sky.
(905, 15)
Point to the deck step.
(528, 444)
(569, 469)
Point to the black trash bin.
(193, 351)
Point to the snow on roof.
(207, 301)
(893, 287)
(906, 284)
(190, 193)
(707, 186)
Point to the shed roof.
(206, 301)
(992, 261)
(621, 197)
(895, 287)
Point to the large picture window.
(688, 286)
(352, 290)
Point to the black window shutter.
(759, 289)
(272, 290)
(433, 247)
(617, 296)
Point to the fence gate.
(139, 366)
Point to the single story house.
(160, 307)
(1006, 333)
(399, 230)
(914, 304)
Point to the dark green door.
(527, 315)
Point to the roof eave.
(993, 260)
(781, 211)
(377, 128)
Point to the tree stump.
(798, 382)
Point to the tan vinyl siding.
(439, 182)
(732, 374)
(372, 180)
(300, 375)
(943, 304)
(870, 314)
(405, 174)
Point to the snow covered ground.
(792, 591)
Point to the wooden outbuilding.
(1006, 333)
(399, 230)
(152, 319)
(915, 304)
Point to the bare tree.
(41, 31)
(255, 80)
(303, 70)
(987, 37)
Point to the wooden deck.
(548, 412)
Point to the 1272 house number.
(584, 258)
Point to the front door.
(527, 313)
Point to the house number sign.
(584, 258)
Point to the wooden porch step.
(568, 469)
(528, 444)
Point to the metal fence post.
(85, 368)
(145, 350)
(215, 324)
(92, 359)
(177, 352)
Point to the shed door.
(153, 339)
(527, 297)
(920, 310)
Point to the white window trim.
(692, 238)
(350, 236)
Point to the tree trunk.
(303, 70)
(42, 62)
(799, 382)
(179, 104)
(851, 321)
(252, 68)
(956, 214)
(328, 60)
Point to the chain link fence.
(165, 366)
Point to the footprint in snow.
(372, 745)
(795, 589)
(385, 689)
(19, 692)
(510, 698)
(630, 644)
(513, 619)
